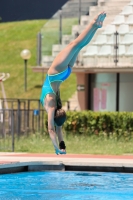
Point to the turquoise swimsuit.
(47, 88)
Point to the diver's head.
(60, 117)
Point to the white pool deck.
(122, 163)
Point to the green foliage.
(14, 37)
(76, 144)
(114, 125)
(85, 132)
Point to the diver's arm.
(59, 133)
(51, 126)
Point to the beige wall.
(82, 79)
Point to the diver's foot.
(98, 20)
(60, 151)
(63, 151)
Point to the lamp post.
(25, 54)
(116, 48)
(60, 26)
(79, 10)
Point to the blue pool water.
(66, 186)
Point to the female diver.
(59, 71)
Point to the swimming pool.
(66, 186)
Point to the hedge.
(110, 124)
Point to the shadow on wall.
(15, 10)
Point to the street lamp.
(25, 54)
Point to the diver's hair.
(60, 117)
(58, 100)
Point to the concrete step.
(112, 7)
(70, 2)
(74, 105)
(120, 3)
(125, 1)
(83, 4)
(47, 61)
(71, 8)
(74, 13)
(83, 1)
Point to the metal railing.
(14, 123)
(25, 103)
(22, 117)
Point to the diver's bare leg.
(72, 61)
(65, 56)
